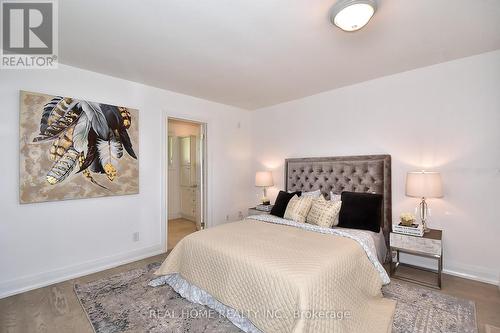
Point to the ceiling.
(256, 53)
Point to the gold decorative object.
(407, 219)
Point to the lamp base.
(425, 227)
(423, 215)
(265, 200)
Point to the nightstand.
(254, 211)
(429, 246)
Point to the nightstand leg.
(440, 269)
(393, 265)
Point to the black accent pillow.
(281, 202)
(361, 211)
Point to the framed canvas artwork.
(73, 149)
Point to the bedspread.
(284, 278)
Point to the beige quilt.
(285, 279)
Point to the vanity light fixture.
(352, 15)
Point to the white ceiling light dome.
(352, 15)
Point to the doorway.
(186, 155)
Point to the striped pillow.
(298, 208)
(324, 213)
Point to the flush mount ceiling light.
(352, 15)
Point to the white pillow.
(314, 194)
(336, 198)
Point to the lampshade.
(352, 15)
(424, 184)
(263, 179)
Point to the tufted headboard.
(369, 173)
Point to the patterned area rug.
(125, 303)
(424, 310)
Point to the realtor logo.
(29, 34)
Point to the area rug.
(125, 303)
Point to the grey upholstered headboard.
(370, 173)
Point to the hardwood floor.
(178, 229)
(55, 309)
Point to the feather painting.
(90, 149)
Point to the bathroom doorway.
(186, 178)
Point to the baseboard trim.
(174, 216)
(187, 217)
(473, 277)
(27, 283)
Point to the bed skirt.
(197, 295)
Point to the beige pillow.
(298, 208)
(324, 213)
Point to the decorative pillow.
(324, 213)
(281, 202)
(298, 208)
(315, 194)
(361, 211)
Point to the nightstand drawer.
(418, 244)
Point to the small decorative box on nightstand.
(429, 246)
(255, 211)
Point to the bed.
(268, 274)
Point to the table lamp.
(424, 184)
(264, 179)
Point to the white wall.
(46, 242)
(444, 117)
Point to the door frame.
(206, 197)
